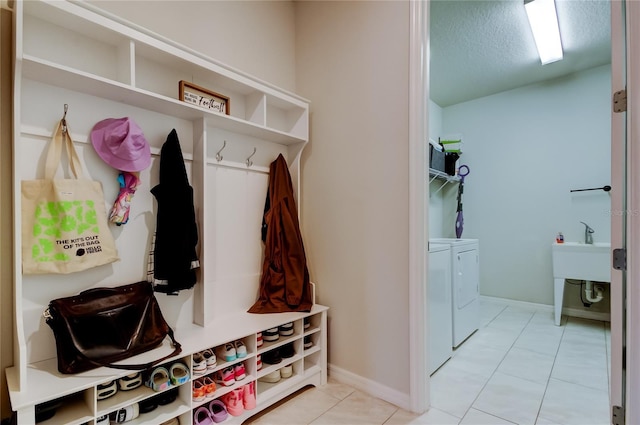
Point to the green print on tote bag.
(52, 219)
(64, 221)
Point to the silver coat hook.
(218, 156)
(249, 162)
(64, 118)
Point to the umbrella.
(129, 182)
(459, 219)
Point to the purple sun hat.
(121, 144)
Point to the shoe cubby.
(75, 408)
(279, 376)
(144, 393)
(70, 52)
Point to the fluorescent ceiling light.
(544, 25)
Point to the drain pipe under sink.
(589, 288)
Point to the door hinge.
(619, 260)
(617, 415)
(620, 101)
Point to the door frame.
(419, 397)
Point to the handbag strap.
(138, 366)
(62, 136)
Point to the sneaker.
(218, 411)
(209, 387)
(129, 382)
(307, 322)
(225, 377)
(286, 329)
(239, 372)
(234, 403)
(210, 357)
(227, 352)
(249, 396)
(286, 351)
(202, 416)
(198, 390)
(199, 364)
(260, 342)
(271, 377)
(271, 335)
(107, 390)
(286, 371)
(259, 362)
(241, 349)
(307, 342)
(272, 357)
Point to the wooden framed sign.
(204, 98)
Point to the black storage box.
(436, 159)
(450, 163)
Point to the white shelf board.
(60, 76)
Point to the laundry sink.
(575, 260)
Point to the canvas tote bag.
(64, 221)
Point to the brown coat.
(284, 284)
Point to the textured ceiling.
(481, 47)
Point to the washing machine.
(465, 286)
(439, 301)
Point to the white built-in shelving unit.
(69, 52)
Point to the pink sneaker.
(249, 396)
(225, 377)
(239, 372)
(234, 403)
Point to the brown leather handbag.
(101, 326)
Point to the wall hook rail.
(218, 154)
(249, 162)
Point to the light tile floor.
(518, 368)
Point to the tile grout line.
(546, 387)
(498, 366)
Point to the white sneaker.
(227, 352)
(241, 349)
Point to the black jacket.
(175, 257)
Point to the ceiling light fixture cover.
(543, 20)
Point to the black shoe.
(286, 351)
(307, 342)
(286, 329)
(272, 357)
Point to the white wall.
(527, 148)
(355, 183)
(255, 37)
(355, 170)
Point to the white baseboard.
(508, 301)
(573, 312)
(370, 387)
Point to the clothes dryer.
(439, 301)
(465, 286)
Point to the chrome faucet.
(588, 231)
